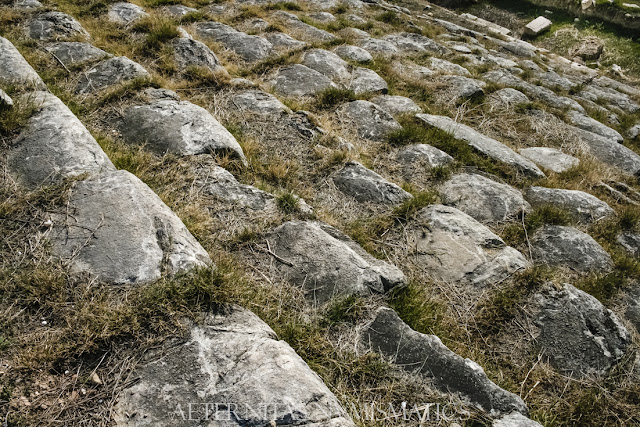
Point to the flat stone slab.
(119, 230)
(537, 26)
(583, 206)
(353, 53)
(74, 53)
(454, 247)
(592, 125)
(53, 26)
(109, 73)
(370, 121)
(419, 156)
(610, 152)
(299, 80)
(183, 128)
(53, 145)
(550, 158)
(367, 186)
(397, 105)
(557, 245)
(415, 43)
(483, 199)
(249, 48)
(425, 355)
(485, 145)
(282, 40)
(577, 333)
(378, 46)
(256, 101)
(189, 52)
(328, 64)
(364, 80)
(231, 357)
(15, 70)
(326, 263)
(301, 30)
(611, 96)
(124, 13)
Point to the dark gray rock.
(74, 53)
(328, 64)
(453, 247)
(367, 186)
(565, 246)
(52, 26)
(326, 263)
(119, 230)
(299, 80)
(15, 70)
(630, 242)
(487, 146)
(396, 105)
(577, 333)
(587, 123)
(124, 13)
(370, 121)
(364, 80)
(353, 53)
(482, 198)
(550, 158)
(182, 128)
(189, 52)
(109, 73)
(459, 88)
(53, 145)
(234, 357)
(256, 101)
(249, 48)
(427, 356)
(583, 206)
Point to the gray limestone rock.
(364, 80)
(583, 206)
(446, 67)
(459, 88)
(109, 73)
(425, 355)
(367, 186)
(52, 26)
(557, 245)
(324, 17)
(74, 53)
(259, 102)
(326, 263)
(124, 13)
(371, 121)
(119, 230)
(423, 156)
(189, 52)
(15, 70)
(415, 43)
(302, 30)
(230, 357)
(482, 198)
(515, 420)
(610, 96)
(353, 53)
(453, 247)
(507, 98)
(299, 80)
(249, 48)
(487, 146)
(396, 105)
(27, 4)
(610, 152)
(630, 242)
(587, 123)
(328, 64)
(53, 145)
(183, 128)
(283, 40)
(178, 10)
(550, 158)
(577, 333)
(378, 46)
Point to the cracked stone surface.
(73, 53)
(326, 263)
(249, 48)
(53, 145)
(231, 357)
(52, 26)
(109, 73)
(299, 80)
(577, 333)
(396, 105)
(370, 121)
(124, 13)
(189, 52)
(583, 206)
(550, 158)
(427, 356)
(183, 128)
(367, 186)
(120, 231)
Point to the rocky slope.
(311, 213)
